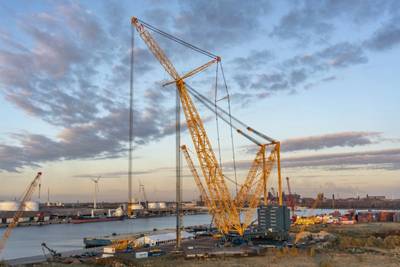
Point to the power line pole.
(131, 126)
(178, 172)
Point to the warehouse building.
(161, 239)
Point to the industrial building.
(6, 217)
(161, 239)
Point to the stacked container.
(396, 217)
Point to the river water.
(25, 241)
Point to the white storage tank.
(31, 206)
(152, 205)
(14, 205)
(136, 206)
(9, 205)
(161, 205)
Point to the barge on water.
(91, 219)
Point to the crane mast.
(26, 197)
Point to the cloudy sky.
(321, 76)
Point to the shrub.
(312, 252)
(325, 263)
(294, 252)
(391, 242)
(371, 242)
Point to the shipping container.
(386, 216)
(109, 250)
(396, 217)
(141, 255)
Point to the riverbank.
(367, 245)
(25, 241)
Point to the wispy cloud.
(72, 70)
(311, 21)
(386, 37)
(343, 139)
(320, 142)
(61, 79)
(388, 159)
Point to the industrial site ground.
(372, 244)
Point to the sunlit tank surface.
(136, 207)
(152, 205)
(14, 205)
(157, 205)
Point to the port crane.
(290, 198)
(225, 209)
(142, 193)
(25, 197)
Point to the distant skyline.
(320, 76)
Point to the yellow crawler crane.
(225, 209)
(25, 197)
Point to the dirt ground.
(367, 245)
(277, 260)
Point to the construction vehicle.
(25, 197)
(54, 254)
(225, 209)
(122, 246)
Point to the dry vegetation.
(272, 259)
(367, 245)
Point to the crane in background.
(25, 197)
(225, 209)
(290, 199)
(273, 194)
(142, 195)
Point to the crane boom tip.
(134, 19)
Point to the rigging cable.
(231, 128)
(131, 118)
(176, 39)
(216, 115)
(205, 99)
(208, 104)
(226, 177)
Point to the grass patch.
(390, 242)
